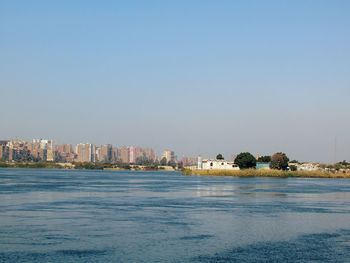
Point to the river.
(126, 216)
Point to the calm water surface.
(100, 216)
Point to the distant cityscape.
(91, 156)
(46, 150)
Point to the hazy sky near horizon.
(199, 77)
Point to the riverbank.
(45, 165)
(85, 166)
(266, 173)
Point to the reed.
(267, 173)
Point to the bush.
(293, 168)
(219, 157)
(245, 160)
(279, 161)
(264, 159)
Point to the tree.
(143, 160)
(219, 157)
(344, 163)
(279, 161)
(264, 159)
(172, 164)
(294, 161)
(245, 160)
(156, 162)
(293, 168)
(163, 161)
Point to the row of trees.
(246, 160)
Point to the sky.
(196, 76)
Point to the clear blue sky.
(199, 77)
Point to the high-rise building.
(50, 157)
(18, 150)
(132, 154)
(42, 149)
(124, 155)
(64, 148)
(3, 150)
(115, 156)
(34, 148)
(105, 153)
(189, 161)
(169, 155)
(149, 153)
(64, 153)
(85, 152)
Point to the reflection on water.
(100, 216)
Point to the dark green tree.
(172, 164)
(245, 160)
(219, 157)
(143, 160)
(264, 159)
(163, 161)
(293, 168)
(294, 161)
(344, 163)
(279, 161)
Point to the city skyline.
(112, 153)
(197, 77)
(47, 150)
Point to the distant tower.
(50, 153)
(199, 165)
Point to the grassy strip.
(266, 173)
(48, 165)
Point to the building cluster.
(19, 150)
(311, 167)
(221, 164)
(46, 150)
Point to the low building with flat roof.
(209, 164)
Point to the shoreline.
(83, 166)
(267, 173)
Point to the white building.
(208, 164)
(308, 167)
(169, 156)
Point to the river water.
(107, 216)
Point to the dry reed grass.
(267, 173)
